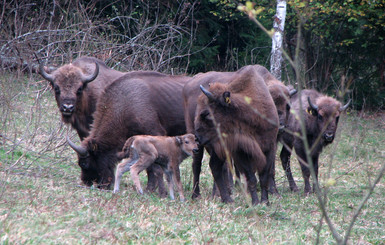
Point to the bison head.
(68, 82)
(326, 112)
(281, 96)
(93, 164)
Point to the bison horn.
(79, 149)
(345, 106)
(207, 93)
(90, 78)
(292, 92)
(44, 74)
(314, 107)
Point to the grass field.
(42, 202)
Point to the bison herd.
(144, 120)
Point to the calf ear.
(179, 140)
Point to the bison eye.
(57, 89)
(288, 107)
(80, 90)
(204, 115)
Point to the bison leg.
(285, 159)
(229, 182)
(270, 162)
(216, 166)
(151, 180)
(196, 167)
(159, 178)
(315, 165)
(301, 156)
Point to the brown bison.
(243, 113)
(137, 103)
(279, 92)
(77, 87)
(320, 114)
(141, 151)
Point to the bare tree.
(276, 50)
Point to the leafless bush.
(61, 31)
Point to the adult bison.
(77, 87)
(243, 113)
(320, 114)
(279, 92)
(137, 103)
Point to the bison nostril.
(328, 136)
(195, 150)
(68, 107)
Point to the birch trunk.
(276, 52)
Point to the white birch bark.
(276, 52)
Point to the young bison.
(141, 151)
(321, 114)
(244, 113)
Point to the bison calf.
(321, 114)
(141, 151)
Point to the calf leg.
(176, 172)
(170, 182)
(196, 167)
(145, 161)
(123, 167)
(285, 159)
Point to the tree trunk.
(276, 52)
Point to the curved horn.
(207, 93)
(79, 149)
(292, 92)
(44, 74)
(345, 106)
(314, 107)
(90, 78)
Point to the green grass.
(41, 201)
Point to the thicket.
(341, 41)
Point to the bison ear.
(226, 98)
(312, 111)
(178, 140)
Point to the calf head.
(187, 143)
(326, 112)
(68, 83)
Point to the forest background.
(342, 42)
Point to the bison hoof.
(195, 196)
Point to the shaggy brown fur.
(279, 92)
(141, 151)
(138, 103)
(245, 114)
